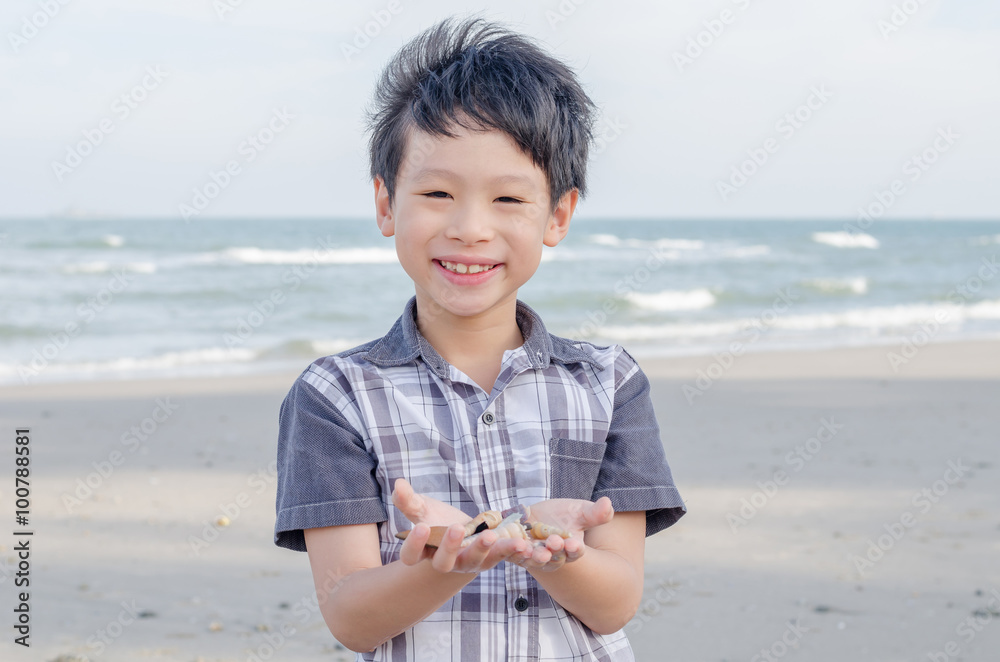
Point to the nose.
(469, 225)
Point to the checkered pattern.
(565, 419)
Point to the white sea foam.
(325, 347)
(87, 268)
(879, 321)
(985, 310)
(113, 240)
(857, 285)
(605, 239)
(254, 255)
(159, 362)
(140, 267)
(741, 252)
(664, 243)
(672, 300)
(846, 239)
(162, 363)
(680, 244)
(673, 331)
(986, 240)
(108, 267)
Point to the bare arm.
(603, 586)
(365, 603)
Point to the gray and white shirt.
(565, 419)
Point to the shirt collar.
(404, 343)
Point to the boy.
(478, 153)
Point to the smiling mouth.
(459, 268)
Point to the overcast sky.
(836, 105)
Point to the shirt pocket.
(574, 467)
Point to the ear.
(558, 224)
(383, 208)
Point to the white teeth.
(460, 268)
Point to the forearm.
(372, 605)
(602, 589)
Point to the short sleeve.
(326, 476)
(635, 474)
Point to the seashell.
(509, 527)
(540, 531)
(491, 518)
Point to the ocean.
(146, 298)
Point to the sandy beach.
(841, 506)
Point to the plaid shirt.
(565, 419)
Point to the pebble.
(222, 521)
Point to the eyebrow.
(430, 173)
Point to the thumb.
(597, 513)
(408, 501)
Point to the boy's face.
(470, 217)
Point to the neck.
(480, 339)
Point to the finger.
(407, 500)
(412, 551)
(558, 560)
(555, 543)
(540, 556)
(574, 548)
(513, 550)
(598, 513)
(451, 545)
(471, 558)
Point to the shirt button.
(488, 418)
(521, 604)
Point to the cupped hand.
(483, 553)
(575, 516)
